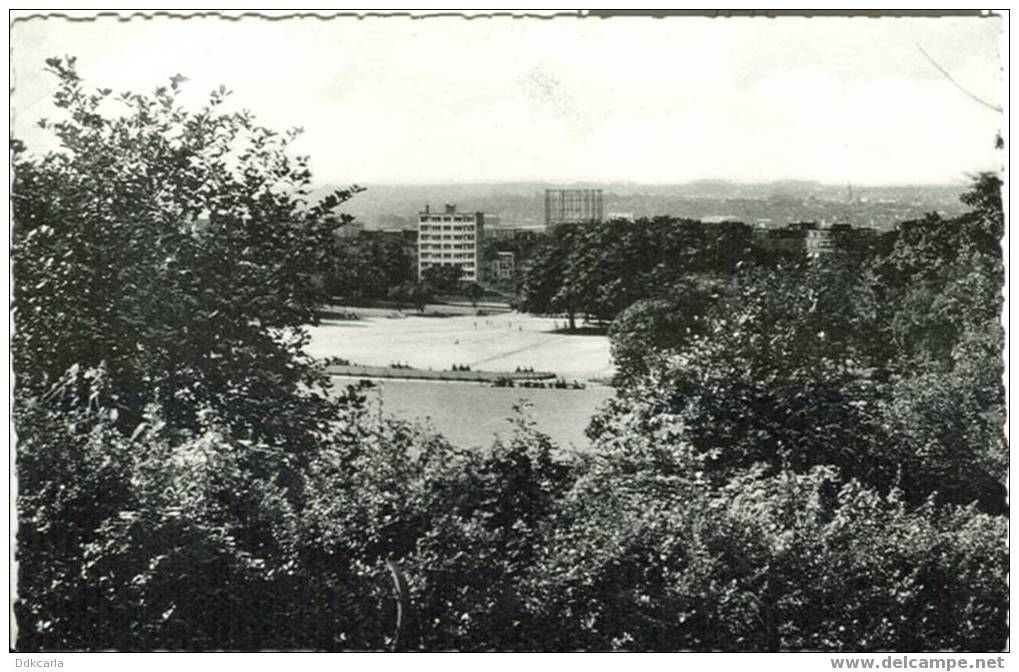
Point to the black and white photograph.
(509, 331)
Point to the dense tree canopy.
(443, 278)
(649, 328)
(173, 248)
(785, 480)
(598, 269)
(792, 371)
(369, 266)
(163, 262)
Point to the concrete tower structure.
(451, 238)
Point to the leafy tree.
(949, 438)
(164, 264)
(641, 332)
(463, 526)
(643, 560)
(651, 327)
(418, 294)
(472, 291)
(721, 248)
(541, 290)
(369, 265)
(774, 379)
(937, 299)
(444, 278)
(787, 374)
(600, 268)
(174, 247)
(943, 277)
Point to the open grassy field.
(472, 414)
(500, 342)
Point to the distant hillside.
(522, 203)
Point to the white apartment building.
(451, 238)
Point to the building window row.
(425, 236)
(449, 255)
(424, 219)
(446, 227)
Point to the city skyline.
(631, 99)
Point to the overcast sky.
(389, 100)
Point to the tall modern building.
(566, 206)
(451, 238)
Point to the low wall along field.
(358, 371)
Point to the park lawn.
(497, 343)
(474, 414)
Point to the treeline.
(368, 266)
(860, 411)
(817, 465)
(597, 269)
(890, 371)
(376, 266)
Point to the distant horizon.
(521, 203)
(963, 181)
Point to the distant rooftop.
(448, 209)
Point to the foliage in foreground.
(790, 561)
(175, 249)
(206, 543)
